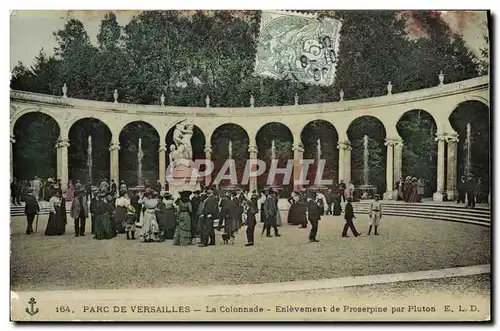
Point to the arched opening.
(139, 143)
(88, 153)
(471, 120)
(228, 138)
(417, 128)
(320, 138)
(34, 152)
(275, 140)
(368, 155)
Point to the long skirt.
(170, 224)
(337, 208)
(120, 218)
(279, 222)
(103, 227)
(150, 231)
(292, 214)
(56, 225)
(182, 235)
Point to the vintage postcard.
(250, 165)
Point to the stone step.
(482, 209)
(460, 212)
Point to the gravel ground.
(46, 263)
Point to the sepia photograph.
(250, 165)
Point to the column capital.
(393, 142)
(114, 146)
(12, 140)
(452, 137)
(208, 149)
(252, 149)
(162, 148)
(346, 145)
(441, 136)
(298, 147)
(62, 143)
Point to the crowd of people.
(410, 189)
(471, 191)
(154, 215)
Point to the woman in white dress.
(150, 231)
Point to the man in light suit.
(79, 212)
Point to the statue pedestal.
(183, 178)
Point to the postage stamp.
(250, 166)
(297, 46)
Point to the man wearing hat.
(375, 214)
(210, 213)
(314, 215)
(271, 214)
(79, 212)
(349, 216)
(31, 208)
(251, 220)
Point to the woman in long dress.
(102, 223)
(182, 235)
(292, 212)
(170, 216)
(56, 225)
(337, 208)
(121, 204)
(150, 231)
(161, 212)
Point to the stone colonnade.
(446, 150)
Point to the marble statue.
(182, 138)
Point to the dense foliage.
(186, 57)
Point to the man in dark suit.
(471, 187)
(210, 213)
(31, 208)
(271, 212)
(251, 220)
(349, 216)
(314, 215)
(195, 202)
(462, 188)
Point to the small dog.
(226, 238)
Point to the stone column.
(389, 175)
(451, 180)
(162, 167)
(114, 172)
(298, 155)
(12, 142)
(58, 162)
(252, 180)
(438, 195)
(398, 160)
(398, 165)
(208, 157)
(347, 160)
(344, 148)
(62, 162)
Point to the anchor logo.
(33, 311)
